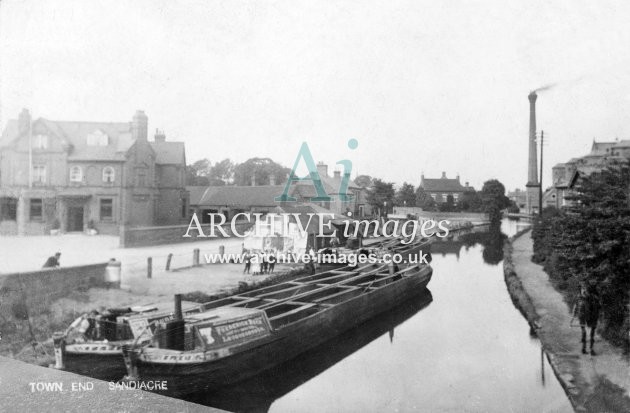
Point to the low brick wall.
(147, 236)
(26, 298)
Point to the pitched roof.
(442, 185)
(171, 153)
(75, 134)
(242, 196)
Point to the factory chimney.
(532, 172)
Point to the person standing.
(263, 263)
(586, 310)
(52, 262)
(272, 261)
(255, 264)
(247, 261)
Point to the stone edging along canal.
(523, 302)
(586, 389)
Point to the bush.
(591, 243)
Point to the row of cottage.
(69, 176)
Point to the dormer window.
(108, 174)
(97, 138)
(40, 142)
(76, 174)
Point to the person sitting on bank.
(52, 262)
(586, 310)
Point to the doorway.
(75, 219)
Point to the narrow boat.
(258, 393)
(242, 335)
(92, 344)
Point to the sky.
(423, 86)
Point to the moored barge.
(245, 334)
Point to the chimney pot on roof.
(466, 184)
(160, 136)
(24, 121)
(139, 126)
(337, 174)
(322, 169)
(443, 175)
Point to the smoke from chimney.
(545, 87)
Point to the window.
(8, 209)
(107, 209)
(39, 174)
(35, 209)
(97, 138)
(76, 174)
(455, 196)
(40, 142)
(108, 174)
(141, 178)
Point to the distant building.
(439, 189)
(519, 197)
(84, 175)
(566, 175)
(231, 200)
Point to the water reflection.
(490, 237)
(258, 393)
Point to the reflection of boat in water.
(259, 392)
(243, 335)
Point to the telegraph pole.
(540, 181)
(30, 153)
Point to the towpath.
(593, 383)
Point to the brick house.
(84, 175)
(439, 189)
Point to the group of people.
(260, 262)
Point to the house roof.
(74, 136)
(169, 153)
(242, 196)
(442, 185)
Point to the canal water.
(461, 346)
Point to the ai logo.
(314, 177)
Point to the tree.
(379, 193)
(221, 173)
(449, 205)
(406, 195)
(494, 200)
(197, 173)
(591, 244)
(470, 201)
(424, 200)
(364, 181)
(261, 169)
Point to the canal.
(461, 346)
